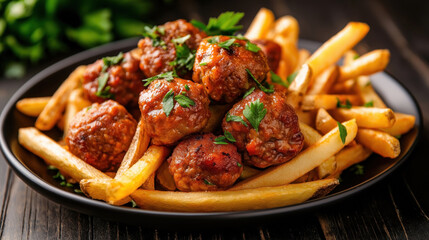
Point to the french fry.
(403, 124)
(261, 25)
(367, 117)
(346, 87)
(305, 161)
(379, 142)
(55, 155)
(306, 117)
(164, 177)
(367, 64)
(327, 101)
(290, 52)
(349, 156)
(282, 69)
(95, 188)
(53, 110)
(136, 175)
(149, 184)
(32, 106)
(217, 112)
(75, 103)
(324, 81)
(311, 136)
(259, 198)
(349, 57)
(367, 93)
(287, 27)
(138, 146)
(248, 172)
(303, 55)
(324, 121)
(299, 86)
(333, 49)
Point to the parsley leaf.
(213, 40)
(133, 204)
(291, 77)
(203, 64)
(207, 182)
(369, 104)
(233, 118)
(254, 113)
(152, 33)
(277, 79)
(262, 87)
(102, 90)
(220, 140)
(226, 44)
(348, 104)
(248, 92)
(185, 57)
(168, 102)
(168, 76)
(181, 40)
(356, 56)
(184, 101)
(252, 47)
(357, 169)
(343, 132)
(239, 164)
(225, 24)
(110, 61)
(187, 87)
(229, 136)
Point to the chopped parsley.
(58, 176)
(207, 182)
(168, 102)
(133, 204)
(213, 40)
(185, 57)
(229, 136)
(291, 77)
(348, 104)
(343, 132)
(220, 140)
(225, 24)
(203, 64)
(183, 100)
(356, 56)
(239, 164)
(248, 92)
(254, 113)
(252, 47)
(168, 76)
(110, 61)
(187, 87)
(357, 169)
(181, 40)
(277, 79)
(226, 44)
(369, 104)
(103, 91)
(153, 34)
(232, 118)
(262, 87)
(223, 139)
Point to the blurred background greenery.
(33, 30)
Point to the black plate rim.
(89, 206)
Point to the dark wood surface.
(396, 208)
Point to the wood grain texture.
(397, 208)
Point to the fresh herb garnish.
(254, 113)
(356, 56)
(262, 87)
(60, 177)
(348, 104)
(203, 64)
(77, 190)
(225, 24)
(369, 104)
(248, 92)
(213, 40)
(357, 169)
(168, 76)
(398, 136)
(183, 100)
(152, 33)
(168, 102)
(110, 61)
(226, 44)
(133, 204)
(103, 91)
(229, 136)
(252, 47)
(220, 140)
(207, 182)
(232, 118)
(277, 79)
(185, 57)
(291, 77)
(187, 87)
(343, 132)
(181, 40)
(239, 164)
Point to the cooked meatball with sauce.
(124, 82)
(198, 164)
(157, 54)
(101, 134)
(173, 109)
(272, 51)
(222, 70)
(278, 138)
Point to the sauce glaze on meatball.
(101, 134)
(223, 71)
(272, 51)
(156, 59)
(278, 138)
(182, 121)
(198, 164)
(125, 81)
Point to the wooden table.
(396, 208)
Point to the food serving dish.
(35, 173)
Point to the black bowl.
(34, 172)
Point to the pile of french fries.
(323, 93)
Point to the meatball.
(124, 82)
(156, 57)
(272, 51)
(198, 164)
(189, 105)
(278, 138)
(222, 70)
(101, 134)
